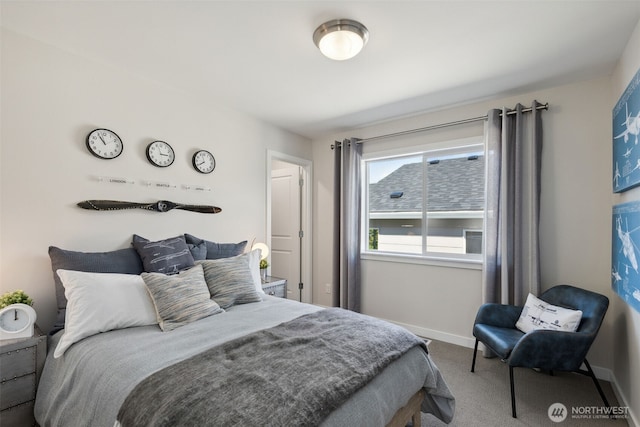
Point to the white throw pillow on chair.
(538, 314)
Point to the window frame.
(475, 144)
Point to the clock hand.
(15, 314)
(102, 139)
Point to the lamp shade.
(341, 39)
(264, 250)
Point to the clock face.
(160, 154)
(14, 319)
(104, 144)
(203, 161)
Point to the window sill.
(440, 261)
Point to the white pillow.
(537, 314)
(100, 302)
(254, 265)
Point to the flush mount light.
(341, 39)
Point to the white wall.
(575, 217)
(626, 321)
(51, 99)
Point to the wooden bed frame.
(410, 411)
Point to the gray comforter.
(88, 385)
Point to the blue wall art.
(625, 253)
(626, 127)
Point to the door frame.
(306, 200)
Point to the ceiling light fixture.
(341, 39)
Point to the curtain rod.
(444, 125)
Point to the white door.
(285, 227)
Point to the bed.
(264, 362)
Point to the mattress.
(90, 382)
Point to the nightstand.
(21, 362)
(275, 286)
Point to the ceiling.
(258, 56)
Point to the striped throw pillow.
(230, 280)
(181, 298)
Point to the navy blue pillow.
(168, 256)
(125, 261)
(218, 250)
(198, 251)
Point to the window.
(429, 203)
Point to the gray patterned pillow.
(181, 298)
(198, 250)
(217, 250)
(167, 256)
(230, 281)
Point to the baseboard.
(437, 335)
(430, 333)
(602, 373)
(632, 418)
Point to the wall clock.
(203, 161)
(16, 321)
(104, 144)
(160, 154)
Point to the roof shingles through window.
(453, 186)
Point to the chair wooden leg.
(513, 395)
(475, 351)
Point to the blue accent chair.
(495, 327)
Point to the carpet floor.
(483, 397)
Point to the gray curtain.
(512, 211)
(346, 219)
